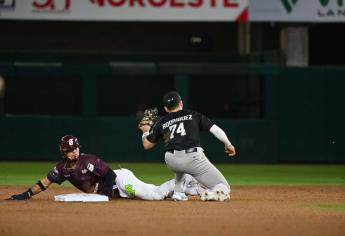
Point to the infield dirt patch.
(251, 211)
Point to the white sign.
(125, 10)
(297, 10)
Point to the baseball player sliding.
(90, 174)
(180, 130)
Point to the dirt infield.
(251, 211)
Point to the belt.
(189, 150)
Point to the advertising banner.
(297, 10)
(125, 10)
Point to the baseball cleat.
(193, 188)
(179, 196)
(220, 196)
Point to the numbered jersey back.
(180, 130)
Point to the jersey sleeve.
(205, 123)
(154, 134)
(97, 166)
(55, 175)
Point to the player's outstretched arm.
(146, 143)
(148, 120)
(40, 186)
(220, 134)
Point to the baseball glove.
(149, 118)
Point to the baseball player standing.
(90, 174)
(180, 130)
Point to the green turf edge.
(328, 206)
(27, 173)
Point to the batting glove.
(23, 196)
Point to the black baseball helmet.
(68, 143)
(171, 99)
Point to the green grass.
(27, 173)
(329, 206)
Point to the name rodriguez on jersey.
(178, 119)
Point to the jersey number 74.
(180, 129)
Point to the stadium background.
(93, 79)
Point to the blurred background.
(270, 73)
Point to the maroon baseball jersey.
(88, 175)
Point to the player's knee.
(158, 195)
(222, 187)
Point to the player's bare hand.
(230, 150)
(145, 128)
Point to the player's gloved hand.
(23, 196)
(149, 118)
(230, 150)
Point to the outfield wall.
(36, 138)
(303, 118)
